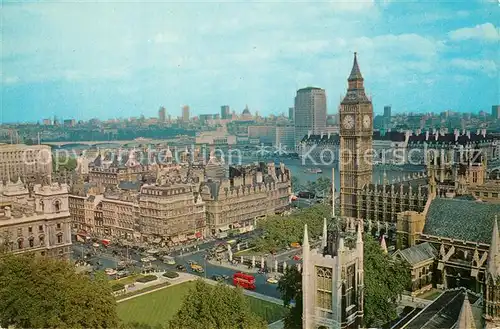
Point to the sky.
(116, 59)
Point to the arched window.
(57, 206)
(20, 243)
(42, 205)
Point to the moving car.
(218, 278)
(110, 271)
(168, 260)
(181, 268)
(272, 280)
(197, 268)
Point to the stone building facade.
(171, 211)
(36, 222)
(25, 161)
(333, 280)
(236, 203)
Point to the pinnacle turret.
(466, 318)
(383, 245)
(493, 254)
(325, 234)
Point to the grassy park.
(160, 306)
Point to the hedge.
(147, 278)
(117, 287)
(171, 275)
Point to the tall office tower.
(495, 112)
(290, 113)
(225, 112)
(387, 111)
(356, 131)
(162, 115)
(185, 113)
(310, 112)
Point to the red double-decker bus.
(243, 280)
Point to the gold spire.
(355, 72)
(383, 245)
(465, 319)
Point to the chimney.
(478, 131)
(329, 133)
(463, 131)
(427, 135)
(322, 133)
(483, 132)
(433, 131)
(436, 135)
(456, 135)
(309, 134)
(468, 134)
(259, 177)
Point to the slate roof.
(443, 312)
(461, 219)
(131, 186)
(418, 253)
(317, 139)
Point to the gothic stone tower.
(356, 131)
(492, 291)
(332, 282)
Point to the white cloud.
(487, 66)
(486, 32)
(354, 5)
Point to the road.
(109, 261)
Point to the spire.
(359, 237)
(305, 241)
(383, 245)
(323, 238)
(355, 72)
(465, 319)
(341, 244)
(493, 254)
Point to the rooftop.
(418, 253)
(461, 219)
(443, 312)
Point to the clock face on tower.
(348, 122)
(367, 121)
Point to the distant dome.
(246, 111)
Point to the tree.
(48, 293)
(385, 280)
(290, 288)
(279, 232)
(215, 307)
(61, 163)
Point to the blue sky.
(118, 59)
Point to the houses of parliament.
(442, 222)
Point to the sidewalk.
(240, 268)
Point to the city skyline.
(92, 62)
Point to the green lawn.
(160, 306)
(127, 280)
(431, 294)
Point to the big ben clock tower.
(356, 131)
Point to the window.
(59, 238)
(40, 228)
(20, 244)
(30, 229)
(42, 240)
(58, 226)
(19, 231)
(31, 242)
(324, 287)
